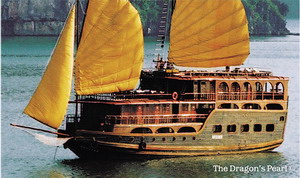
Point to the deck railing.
(153, 119)
(250, 96)
(189, 96)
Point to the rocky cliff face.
(46, 17)
(33, 17)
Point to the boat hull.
(97, 144)
(87, 148)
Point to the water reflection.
(245, 165)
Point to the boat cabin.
(181, 97)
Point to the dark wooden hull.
(89, 149)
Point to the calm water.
(23, 61)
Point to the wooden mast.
(77, 44)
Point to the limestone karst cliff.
(33, 17)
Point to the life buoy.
(142, 146)
(175, 95)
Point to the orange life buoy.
(175, 95)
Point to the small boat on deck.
(122, 110)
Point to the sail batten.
(214, 30)
(49, 103)
(110, 54)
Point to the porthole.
(270, 127)
(184, 138)
(217, 128)
(194, 138)
(245, 128)
(281, 118)
(257, 128)
(231, 128)
(153, 139)
(174, 139)
(163, 139)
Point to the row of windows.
(235, 87)
(272, 106)
(163, 130)
(244, 128)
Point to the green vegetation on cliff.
(41, 17)
(266, 17)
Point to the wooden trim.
(191, 148)
(205, 153)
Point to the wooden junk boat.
(122, 110)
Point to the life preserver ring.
(142, 146)
(175, 95)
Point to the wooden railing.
(153, 119)
(189, 96)
(250, 96)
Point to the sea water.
(23, 62)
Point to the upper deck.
(172, 85)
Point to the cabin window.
(235, 87)
(281, 118)
(273, 107)
(231, 128)
(268, 91)
(245, 128)
(257, 128)
(258, 90)
(247, 91)
(193, 106)
(268, 87)
(186, 129)
(279, 91)
(259, 87)
(165, 108)
(279, 87)
(270, 127)
(251, 106)
(165, 130)
(223, 87)
(217, 128)
(247, 87)
(142, 130)
(185, 107)
(228, 106)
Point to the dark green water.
(23, 62)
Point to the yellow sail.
(50, 100)
(111, 49)
(209, 33)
